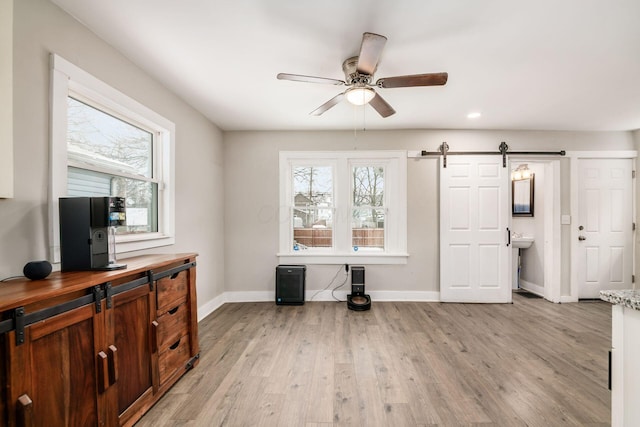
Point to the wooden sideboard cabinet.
(96, 348)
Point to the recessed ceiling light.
(473, 115)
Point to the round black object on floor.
(358, 302)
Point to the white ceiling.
(538, 65)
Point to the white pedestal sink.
(522, 242)
(518, 243)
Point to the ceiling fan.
(359, 70)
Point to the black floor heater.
(290, 282)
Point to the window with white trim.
(343, 207)
(104, 143)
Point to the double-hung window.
(343, 207)
(104, 143)
(109, 156)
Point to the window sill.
(126, 244)
(347, 258)
(140, 242)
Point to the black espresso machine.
(87, 232)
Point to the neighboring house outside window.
(104, 143)
(343, 207)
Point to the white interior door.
(605, 226)
(474, 219)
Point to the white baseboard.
(532, 287)
(250, 296)
(417, 296)
(324, 295)
(413, 296)
(216, 303)
(210, 307)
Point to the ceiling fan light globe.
(360, 95)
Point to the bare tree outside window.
(368, 213)
(312, 206)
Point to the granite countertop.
(628, 298)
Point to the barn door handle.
(154, 336)
(103, 371)
(508, 236)
(113, 364)
(25, 411)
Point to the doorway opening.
(536, 263)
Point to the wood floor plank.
(346, 400)
(319, 401)
(530, 363)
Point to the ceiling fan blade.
(330, 103)
(430, 79)
(308, 79)
(370, 51)
(381, 106)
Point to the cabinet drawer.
(172, 324)
(174, 357)
(172, 290)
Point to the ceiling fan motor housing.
(351, 74)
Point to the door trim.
(574, 157)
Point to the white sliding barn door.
(474, 220)
(605, 226)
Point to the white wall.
(41, 28)
(251, 198)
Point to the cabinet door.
(55, 372)
(129, 329)
(3, 381)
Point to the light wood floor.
(530, 363)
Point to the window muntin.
(368, 207)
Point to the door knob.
(582, 238)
